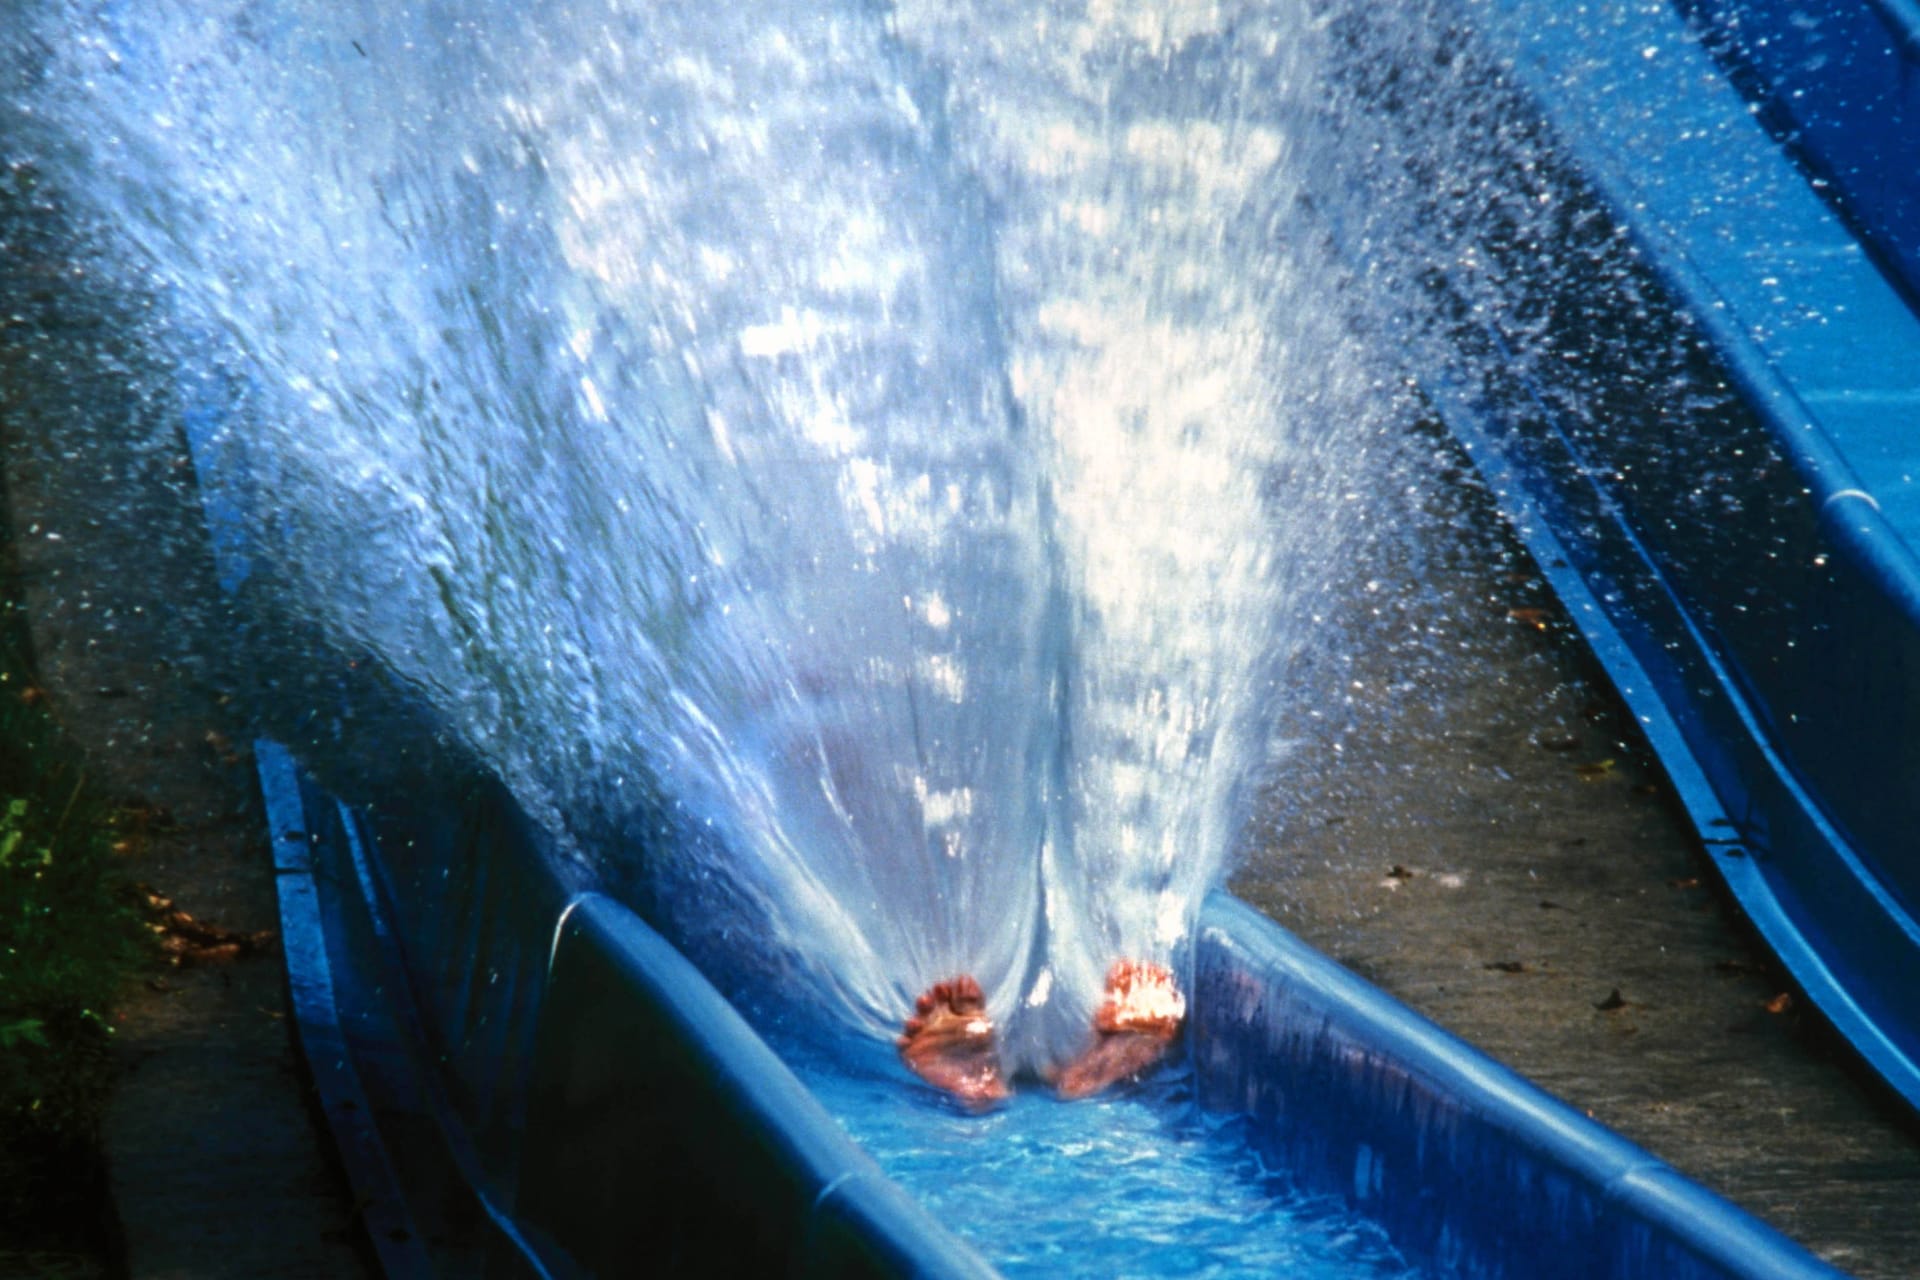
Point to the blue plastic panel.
(382, 1200)
(1841, 84)
(1468, 1167)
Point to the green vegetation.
(70, 937)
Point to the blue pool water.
(1136, 1183)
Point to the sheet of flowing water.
(894, 451)
(1133, 1185)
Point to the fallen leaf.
(1535, 618)
(1594, 771)
(1686, 882)
(189, 940)
(1780, 1003)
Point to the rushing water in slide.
(902, 445)
(1135, 1183)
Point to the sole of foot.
(949, 1042)
(1133, 1029)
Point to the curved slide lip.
(1826, 353)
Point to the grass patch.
(70, 938)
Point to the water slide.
(525, 1072)
(1751, 587)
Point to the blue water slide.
(1748, 576)
(525, 1078)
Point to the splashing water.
(906, 442)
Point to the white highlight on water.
(907, 436)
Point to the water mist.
(902, 445)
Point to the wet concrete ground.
(213, 1155)
(1493, 845)
(216, 1162)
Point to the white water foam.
(906, 442)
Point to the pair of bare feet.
(949, 1040)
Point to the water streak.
(905, 443)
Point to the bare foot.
(949, 1042)
(1133, 1028)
